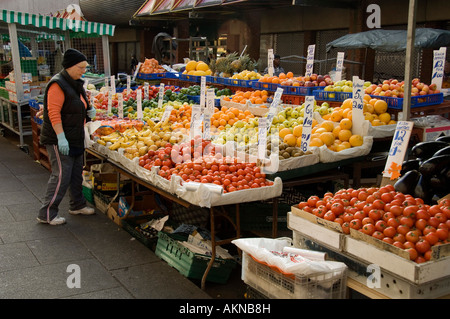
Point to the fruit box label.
(432, 133)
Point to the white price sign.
(307, 123)
(166, 113)
(274, 106)
(161, 95)
(146, 88)
(206, 126)
(107, 84)
(202, 91)
(140, 115)
(110, 101)
(137, 70)
(339, 66)
(128, 85)
(262, 137)
(120, 105)
(196, 121)
(398, 149)
(113, 84)
(210, 97)
(310, 60)
(358, 105)
(270, 57)
(438, 67)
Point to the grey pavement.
(36, 259)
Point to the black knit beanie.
(72, 57)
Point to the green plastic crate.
(192, 265)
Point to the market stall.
(31, 49)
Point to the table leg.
(275, 218)
(213, 248)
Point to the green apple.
(323, 110)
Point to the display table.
(12, 118)
(213, 211)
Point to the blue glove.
(91, 112)
(63, 145)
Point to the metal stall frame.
(46, 24)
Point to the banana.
(150, 123)
(102, 142)
(127, 144)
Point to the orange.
(315, 142)
(290, 139)
(346, 124)
(356, 140)
(380, 106)
(347, 104)
(328, 125)
(276, 80)
(298, 130)
(290, 75)
(282, 75)
(336, 116)
(284, 131)
(384, 117)
(344, 135)
(327, 138)
(247, 94)
(299, 141)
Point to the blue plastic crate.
(151, 76)
(322, 95)
(416, 101)
(123, 88)
(264, 86)
(237, 82)
(196, 99)
(190, 78)
(212, 79)
(34, 104)
(299, 90)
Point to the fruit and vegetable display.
(198, 68)
(151, 66)
(232, 64)
(345, 86)
(396, 88)
(393, 217)
(426, 173)
(288, 79)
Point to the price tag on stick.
(161, 95)
(202, 91)
(120, 105)
(273, 109)
(438, 67)
(358, 105)
(146, 88)
(262, 137)
(109, 101)
(195, 128)
(310, 60)
(307, 123)
(210, 97)
(270, 57)
(113, 84)
(128, 85)
(398, 149)
(140, 115)
(339, 66)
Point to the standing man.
(277, 68)
(66, 110)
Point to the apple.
(426, 88)
(313, 77)
(433, 86)
(420, 86)
(415, 81)
(414, 90)
(322, 83)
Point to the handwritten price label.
(357, 108)
(339, 66)
(161, 95)
(398, 149)
(270, 61)
(140, 115)
(120, 105)
(202, 91)
(307, 123)
(310, 60)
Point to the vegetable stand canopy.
(392, 40)
(38, 21)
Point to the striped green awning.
(56, 23)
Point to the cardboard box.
(143, 205)
(104, 177)
(432, 133)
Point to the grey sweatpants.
(67, 173)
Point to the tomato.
(367, 220)
(375, 214)
(370, 199)
(362, 195)
(428, 229)
(397, 210)
(403, 229)
(356, 223)
(380, 225)
(441, 217)
(348, 217)
(422, 214)
(308, 209)
(433, 221)
(409, 201)
(432, 238)
(446, 211)
(337, 208)
(394, 222)
(372, 190)
(389, 231)
(329, 215)
(387, 216)
(406, 221)
(420, 259)
(410, 211)
(412, 236)
(312, 200)
(346, 227)
(412, 253)
(368, 229)
(427, 255)
(421, 224)
(360, 215)
(399, 238)
(387, 197)
(378, 235)
(378, 204)
(339, 220)
(442, 233)
(422, 246)
(434, 209)
(398, 244)
(360, 205)
(388, 240)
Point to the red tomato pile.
(393, 217)
(197, 161)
